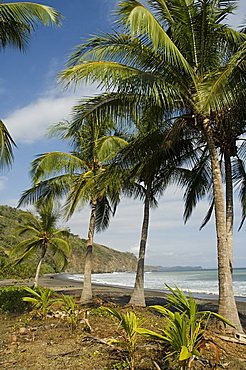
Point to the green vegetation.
(183, 330)
(18, 21)
(182, 60)
(41, 299)
(56, 175)
(70, 307)
(130, 324)
(42, 237)
(180, 337)
(105, 259)
(11, 300)
(172, 66)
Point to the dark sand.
(115, 294)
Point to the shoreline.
(116, 294)
(196, 295)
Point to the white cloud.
(29, 123)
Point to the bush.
(11, 300)
(183, 330)
(40, 299)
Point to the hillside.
(105, 259)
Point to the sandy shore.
(115, 294)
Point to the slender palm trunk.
(86, 296)
(227, 304)
(137, 297)
(43, 251)
(229, 206)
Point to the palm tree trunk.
(43, 251)
(229, 206)
(86, 296)
(137, 297)
(227, 304)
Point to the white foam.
(200, 282)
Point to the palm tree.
(43, 238)
(17, 21)
(178, 55)
(153, 159)
(74, 175)
(230, 127)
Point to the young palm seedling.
(129, 323)
(70, 307)
(184, 329)
(40, 299)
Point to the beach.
(51, 344)
(118, 295)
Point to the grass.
(33, 344)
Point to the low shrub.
(11, 300)
(40, 299)
(129, 323)
(183, 330)
(70, 307)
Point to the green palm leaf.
(239, 176)
(6, 147)
(18, 19)
(55, 163)
(141, 21)
(52, 188)
(43, 237)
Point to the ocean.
(199, 283)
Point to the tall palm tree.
(181, 56)
(152, 159)
(74, 175)
(43, 237)
(17, 21)
(230, 127)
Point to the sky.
(31, 100)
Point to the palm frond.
(109, 146)
(107, 74)
(100, 107)
(53, 188)
(6, 147)
(161, 10)
(80, 193)
(103, 213)
(60, 250)
(28, 229)
(24, 249)
(128, 80)
(239, 176)
(142, 22)
(198, 184)
(54, 163)
(208, 216)
(17, 20)
(225, 90)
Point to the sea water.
(202, 282)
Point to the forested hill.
(105, 259)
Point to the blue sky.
(31, 100)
